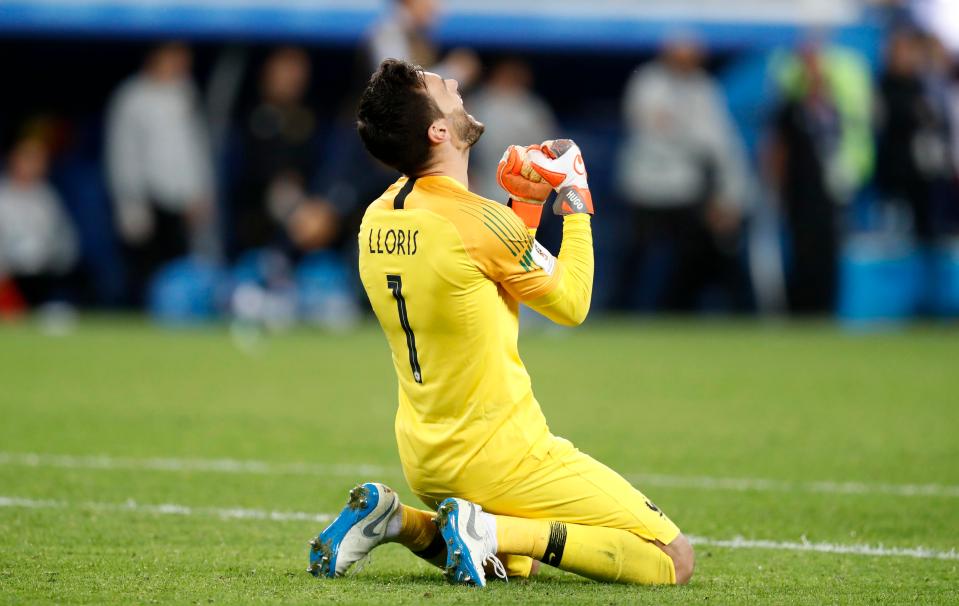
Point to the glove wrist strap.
(529, 211)
(573, 200)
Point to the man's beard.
(467, 128)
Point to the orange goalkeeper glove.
(560, 163)
(527, 190)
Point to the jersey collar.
(442, 180)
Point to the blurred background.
(198, 161)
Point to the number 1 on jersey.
(395, 284)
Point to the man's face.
(286, 76)
(423, 12)
(466, 129)
(171, 61)
(28, 162)
(684, 56)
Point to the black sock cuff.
(556, 544)
(435, 548)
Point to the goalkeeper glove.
(527, 190)
(560, 163)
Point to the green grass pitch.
(142, 466)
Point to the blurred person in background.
(38, 243)
(940, 68)
(915, 168)
(683, 169)
(405, 34)
(819, 155)
(158, 163)
(273, 204)
(512, 112)
(954, 121)
(352, 176)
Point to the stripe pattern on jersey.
(517, 241)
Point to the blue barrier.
(563, 26)
(186, 291)
(324, 291)
(881, 281)
(945, 286)
(263, 267)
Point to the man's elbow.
(573, 317)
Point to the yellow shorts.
(566, 485)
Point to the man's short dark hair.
(395, 114)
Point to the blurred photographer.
(38, 244)
(274, 206)
(683, 169)
(158, 163)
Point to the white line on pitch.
(804, 545)
(173, 464)
(370, 472)
(766, 485)
(239, 513)
(230, 513)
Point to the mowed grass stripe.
(241, 513)
(104, 462)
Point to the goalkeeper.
(445, 271)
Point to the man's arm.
(561, 289)
(568, 302)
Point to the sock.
(602, 554)
(394, 525)
(517, 567)
(435, 553)
(490, 520)
(521, 536)
(412, 528)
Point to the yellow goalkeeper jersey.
(445, 271)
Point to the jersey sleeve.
(567, 303)
(507, 253)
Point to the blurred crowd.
(200, 185)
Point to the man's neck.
(455, 167)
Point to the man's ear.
(439, 131)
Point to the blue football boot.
(359, 528)
(469, 543)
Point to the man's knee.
(684, 559)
